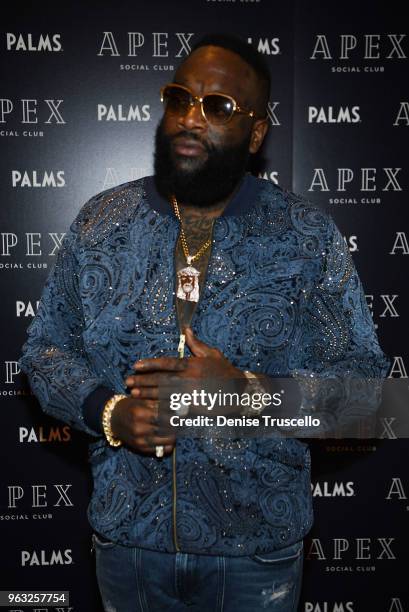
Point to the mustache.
(193, 136)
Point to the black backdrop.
(79, 105)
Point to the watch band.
(253, 386)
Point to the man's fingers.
(160, 364)
(197, 347)
(152, 379)
(151, 450)
(148, 432)
(136, 423)
(152, 440)
(145, 393)
(143, 409)
(142, 380)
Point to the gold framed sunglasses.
(216, 108)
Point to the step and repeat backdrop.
(79, 103)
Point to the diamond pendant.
(188, 283)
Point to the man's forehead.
(216, 67)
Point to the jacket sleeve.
(54, 357)
(339, 364)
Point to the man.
(204, 523)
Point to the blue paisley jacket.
(281, 297)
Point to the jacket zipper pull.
(181, 347)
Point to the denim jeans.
(141, 580)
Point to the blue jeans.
(140, 580)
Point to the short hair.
(247, 52)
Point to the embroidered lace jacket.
(281, 297)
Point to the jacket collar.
(243, 199)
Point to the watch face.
(253, 386)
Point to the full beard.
(204, 185)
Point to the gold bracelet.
(106, 419)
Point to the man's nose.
(193, 117)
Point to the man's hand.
(134, 422)
(206, 362)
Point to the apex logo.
(12, 370)
(330, 114)
(40, 495)
(44, 434)
(29, 110)
(368, 179)
(402, 118)
(159, 42)
(266, 46)
(123, 113)
(401, 244)
(37, 179)
(357, 548)
(113, 176)
(368, 46)
(56, 609)
(396, 490)
(271, 113)
(33, 42)
(326, 606)
(388, 431)
(335, 489)
(388, 305)
(398, 368)
(33, 243)
(396, 605)
(43, 557)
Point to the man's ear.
(258, 132)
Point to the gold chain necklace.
(188, 278)
(203, 248)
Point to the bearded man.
(238, 277)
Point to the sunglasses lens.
(176, 99)
(217, 109)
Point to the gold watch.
(253, 386)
